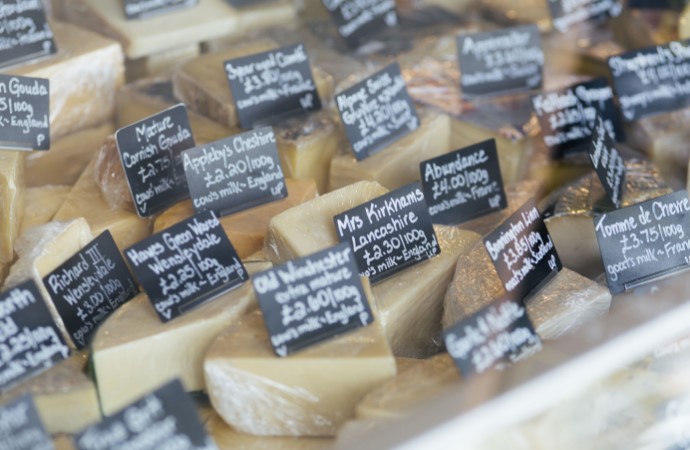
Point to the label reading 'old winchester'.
(311, 299)
(358, 20)
(607, 162)
(21, 427)
(24, 112)
(25, 33)
(567, 13)
(142, 9)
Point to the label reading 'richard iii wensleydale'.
(30, 340)
(21, 427)
(25, 33)
(358, 20)
(464, 184)
(235, 173)
(24, 113)
(390, 233)
(90, 286)
(377, 112)
(141, 9)
(607, 162)
(186, 265)
(567, 13)
(646, 241)
(311, 299)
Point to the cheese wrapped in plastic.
(42, 203)
(110, 177)
(11, 201)
(308, 393)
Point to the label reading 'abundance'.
(141, 9)
(567, 13)
(500, 62)
(186, 265)
(24, 113)
(150, 151)
(311, 299)
(496, 336)
(389, 233)
(522, 251)
(646, 241)
(29, 338)
(377, 112)
(21, 427)
(25, 33)
(164, 419)
(357, 20)
(90, 286)
(607, 162)
(464, 184)
(235, 173)
(273, 85)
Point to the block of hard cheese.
(309, 393)
(84, 75)
(42, 203)
(161, 62)
(245, 229)
(64, 395)
(11, 201)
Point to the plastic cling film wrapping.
(110, 177)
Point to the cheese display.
(41, 204)
(161, 62)
(11, 201)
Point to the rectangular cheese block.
(12, 165)
(160, 63)
(397, 164)
(84, 75)
(309, 393)
(245, 229)
(41, 204)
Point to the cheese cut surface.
(11, 201)
(397, 164)
(309, 393)
(159, 63)
(41, 204)
(84, 75)
(245, 229)
(70, 153)
(64, 395)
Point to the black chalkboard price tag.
(644, 242)
(658, 4)
(25, 33)
(273, 85)
(389, 233)
(607, 162)
(21, 427)
(186, 265)
(164, 419)
(143, 9)
(523, 252)
(377, 112)
(495, 337)
(89, 286)
(566, 116)
(652, 80)
(464, 184)
(150, 151)
(30, 340)
(24, 113)
(235, 173)
(565, 14)
(311, 299)
(357, 21)
(500, 62)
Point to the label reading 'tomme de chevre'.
(21, 427)
(89, 286)
(357, 20)
(646, 241)
(235, 173)
(270, 86)
(464, 184)
(24, 112)
(523, 252)
(142, 9)
(29, 338)
(496, 336)
(390, 233)
(377, 111)
(500, 62)
(25, 33)
(311, 299)
(607, 162)
(186, 265)
(567, 13)
(166, 418)
(150, 151)
(652, 80)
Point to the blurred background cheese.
(41, 204)
(12, 177)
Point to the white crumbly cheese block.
(41, 204)
(11, 201)
(309, 393)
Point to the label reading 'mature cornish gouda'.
(24, 112)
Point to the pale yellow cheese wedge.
(85, 200)
(71, 154)
(161, 62)
(309, 393)
(64, 395)
(84, 75)
(245, 229)
(42, 203)
(11, 201)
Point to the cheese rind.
(11, 201)
(41, 204)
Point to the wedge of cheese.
(84, 75)
(41, 204)
(398, 164)
(203, 85)
(160, 63)
(70, 153)
(309, 393)
(507, 13)
(63, 442)
(110, 177)
(245, 229)
(64, 395)
(85, 200)
(11, 201)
